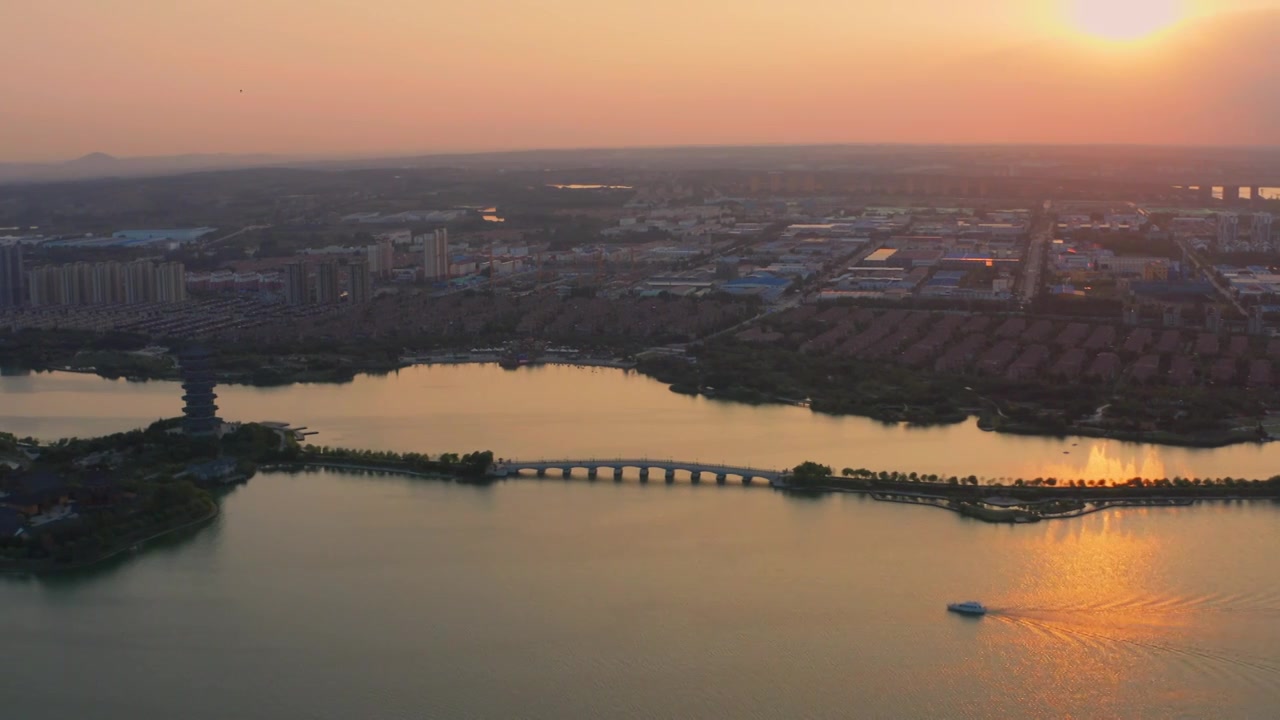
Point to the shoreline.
(47, 569)
(1018, 515)
(293, 467)
(616, 363)
(341, 376)
(1155, 438)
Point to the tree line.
(472, 465)
(810, 473)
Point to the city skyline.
(392, 78)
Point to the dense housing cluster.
(1026, 349)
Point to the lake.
(330, 595)
(553, 411)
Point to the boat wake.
(1263, 672)
(1243, 603)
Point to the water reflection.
(558, 411)
(1114, 460)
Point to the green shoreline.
(49, 567)
(726, 369)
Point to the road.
(1033, 266)
(241, 231)
(1212, 276)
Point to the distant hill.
(103, 165)
(96, 159)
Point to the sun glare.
(1125, 19)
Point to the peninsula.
(76, 502)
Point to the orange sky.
(332, 77)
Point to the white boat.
(971, 607)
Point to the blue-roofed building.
(766, 285)
(1172, 291)
(178, 235)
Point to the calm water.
(556, 411)
(325, 595)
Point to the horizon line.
(392, 154)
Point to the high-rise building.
(171, 282)
(1260, 233)
(82, 274)
(381, 256)
(12, 275)
(106, 283)
(200, 414)
(296, 291)
(139, 282)
(69, 283)
(435, 255)
(327, 287)
(1228, 231)
(358, 283)
(42, 288)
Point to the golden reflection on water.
(1093, 615)
(1080, 567)
(1112, 461)
(1079, 611)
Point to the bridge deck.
(517, 465)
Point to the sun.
(1125, 19)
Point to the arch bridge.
(668, 468)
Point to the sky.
(362, 77)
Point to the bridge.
(668, 468)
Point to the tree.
(809, 473)
(477, 464)
(847, 472)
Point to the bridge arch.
(666, 469)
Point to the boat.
(970, 607)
